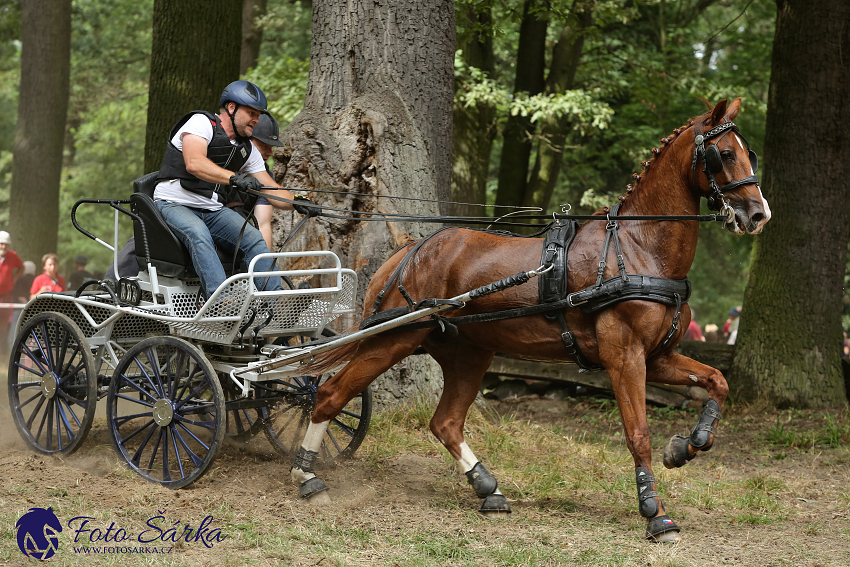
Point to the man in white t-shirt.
(209, 164)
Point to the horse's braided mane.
(656, 153)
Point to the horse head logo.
(38, 533)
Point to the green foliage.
(284, 81)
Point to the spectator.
(21, 294)
(694, 333)
(711, 333)
(80, 273)
(49, 280)
(734, 321)
(11, 268)
(265, 139)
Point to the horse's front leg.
(627, 368)
(673, 368)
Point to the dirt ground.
(384, 504)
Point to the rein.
(404, 217)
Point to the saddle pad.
(552, 285)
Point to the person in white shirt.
(208, 167)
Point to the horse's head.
(724, 169)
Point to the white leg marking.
(467, 458)
(312, 442)
(314, 435)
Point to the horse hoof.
(667, 537)
(495, 506)
(314, 491)
(318, 499)
(676, 452)
(661, 529)
(496, 515)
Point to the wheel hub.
(163, 412)
(48, 385)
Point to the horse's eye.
(727, 155)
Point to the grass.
(571, 485)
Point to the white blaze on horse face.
(765, 206)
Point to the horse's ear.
(733, 109)
(718, 112)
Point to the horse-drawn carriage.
(179, 375)
(162, 356)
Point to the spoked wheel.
(288, 420)
(242, 423)
(52, 384)
(165, 410)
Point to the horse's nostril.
(757, 218)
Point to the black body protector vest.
(220, 151)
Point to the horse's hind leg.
(463, 368)
(374, 357)
(673, 368)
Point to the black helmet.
(244, 93)
(267, 130)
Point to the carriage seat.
(168, 254)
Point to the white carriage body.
(170, 306)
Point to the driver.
(210, 163)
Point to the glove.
(244, 182)
(240, 184)
(305, 206)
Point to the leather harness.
(552, 291)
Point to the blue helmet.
(244, 93)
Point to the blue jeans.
(201, 231)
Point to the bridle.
(712, 164)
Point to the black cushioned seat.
(168, 254)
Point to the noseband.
(712, 163)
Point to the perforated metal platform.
(236, 307)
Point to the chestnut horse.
(627, 339)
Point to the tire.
(242, 424)
(288, 420)
(165, 401)
(52, 384)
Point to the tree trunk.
(553, 132)
(530, 69)
(474, 128)
(789, 341)
(194, 55)
(40, 130)
(376, 119)
(252, 34)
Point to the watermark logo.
(38, 533)
(39, 529)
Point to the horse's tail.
(332, 359)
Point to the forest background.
(641, 70)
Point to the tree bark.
(376, 119)
(530, 69)
(252, 34)
(566, 57)
(40, 129)
(194, 55)
(474, 128)
(790, 340)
